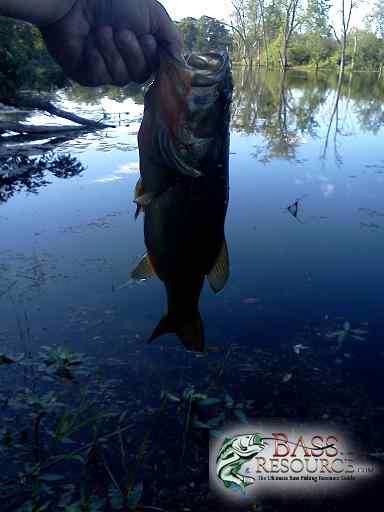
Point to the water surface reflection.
(66, 253)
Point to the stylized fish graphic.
(183, 189)
(233, 454)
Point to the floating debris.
(293, 208)
(298, 348)
(6, 360)
(251, 300)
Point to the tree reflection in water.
(284, 108)
(20, 172)
(281, 108)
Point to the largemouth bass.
(183, 189)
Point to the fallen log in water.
(16, 145)
(48, 130)
(33, 102)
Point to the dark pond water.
(305, 232)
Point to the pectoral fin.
(143, 269)
(219, 273)
(137, 212)
(139, 191)
(189, 331)
(142, 201)
(145, 199)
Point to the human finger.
(114, 62)
(133, 55)
(149, 46)
(166, 32)
(93, 70)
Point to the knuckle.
(148, 45)
(125, 38)
(119, 71)
(104, 34)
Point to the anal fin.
(219, 273)
(143, 270)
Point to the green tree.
(378, 17)
(24, 59)
(273, 18)
(318, 42)
(291, 22)
(242, 29)
(317, 17)
(368, 52)
(212, 35)
(205, 34)
(189, 29)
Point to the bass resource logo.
(252, 463)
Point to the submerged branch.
(33, 102)
(40, 103)
(14, 126)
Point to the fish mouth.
(207, 69)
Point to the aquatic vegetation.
(54, 442)
(62, 363)
(348, 332)
(80, 444)
(207, 412)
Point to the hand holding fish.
(101, 42)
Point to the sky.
(221, 9)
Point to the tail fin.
(190, 331)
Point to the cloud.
(129, 168)
(108, 179)
(328, 189)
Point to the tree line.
(284, 33)
(270, 33)
(24, 59)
